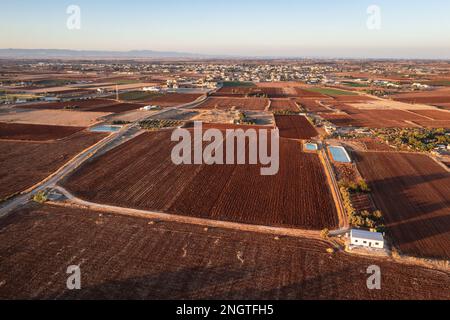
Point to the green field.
(14, 97)
(53, 82)
(136, 95)
(332, 92)
(126, 81)
(355, 84)
(237, 84)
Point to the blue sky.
(324, 28)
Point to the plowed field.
(295, 127)
(126, 258)
(414, 194)
(140, 174)
(27, 163)
(31, 132)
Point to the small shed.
(367, 239)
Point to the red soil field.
(362, 202)
(81, 105)
(352, 99)
(423, 99)
(413, 193)
(444, 106)
(96, 105)
(434, 124)
(176, 261)
(295, 127)
(274, 92)
(374, 144)
(257, 104)
(27, 163)
(283, 105)
(31, 132)
(173, 99)
(303, 93)
(313, 105)
(117, 108)
(379, 119)
(234, 91)
(434, 114)
(140, 174)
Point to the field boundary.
(277, 231)
(332, 183)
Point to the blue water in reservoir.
(105, 128)
(311, 147)
(340, 155)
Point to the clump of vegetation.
(363, 219)
(325, 233)
(380, 93)
(416, 139)
(257, 95)
(40, 197)
(243, 119)
(360, 187)
(120, 122)
(285, 113)
(159, 124)
(71, 107)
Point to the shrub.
(325, 233)
(363, 186)
(40, 197)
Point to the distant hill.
(91, 54)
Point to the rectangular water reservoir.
(105, 128)
(339, 154)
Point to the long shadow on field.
(187, 283)
(407, 197)
(428, 237)
(222, 283)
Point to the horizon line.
(203, 56)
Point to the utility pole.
(117, 92)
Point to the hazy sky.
(325, 28)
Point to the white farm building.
(367, 239)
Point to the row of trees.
(360, 219)
(416, 139)
(159, 124)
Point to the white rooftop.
(375, 236)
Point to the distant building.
(151, 89)
(149, 108)
(366, 239)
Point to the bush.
(40, 197)
(325, 233)
(363, 186)
(120, 122)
